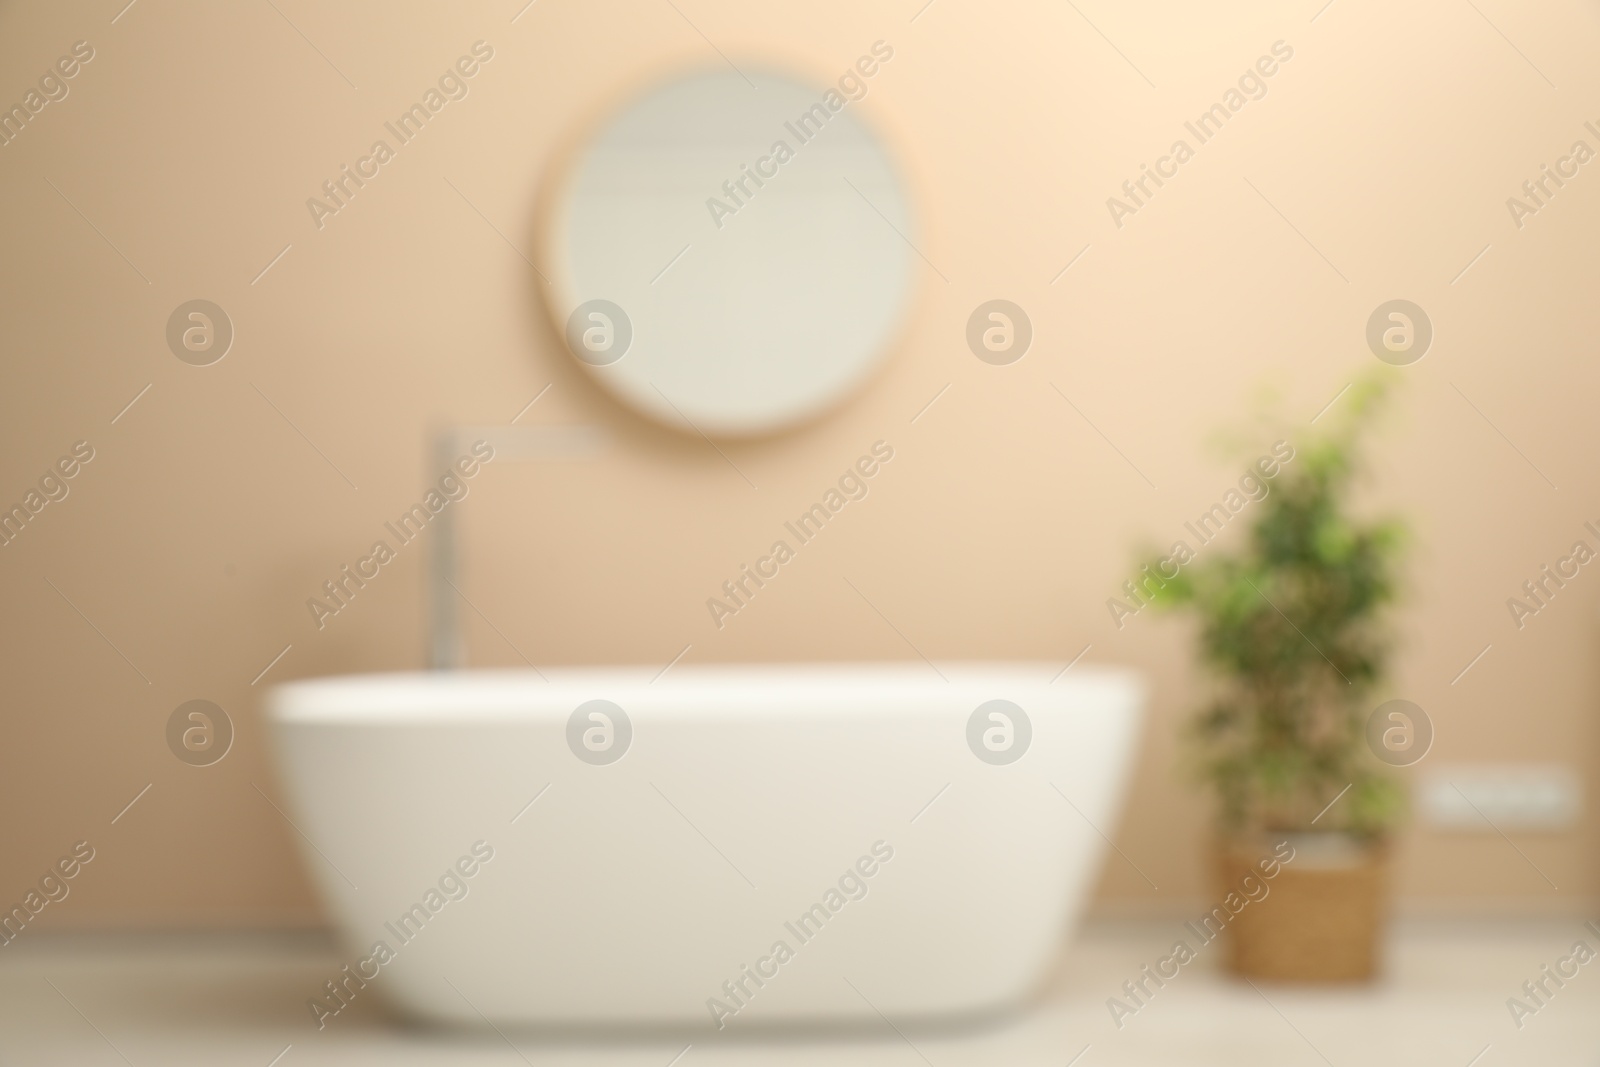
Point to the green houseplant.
(1292, 626)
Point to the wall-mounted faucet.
(446, 642)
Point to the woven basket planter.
(1322, 917)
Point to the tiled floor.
(240, 1001)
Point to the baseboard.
(1547, 906)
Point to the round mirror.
(731, 253)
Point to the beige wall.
(193, 539)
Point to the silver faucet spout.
(446, 642)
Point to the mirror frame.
(559, 171)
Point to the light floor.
(238, 1000)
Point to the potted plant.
(1291, 624)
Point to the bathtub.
(607, 848)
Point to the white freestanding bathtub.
(873, 820)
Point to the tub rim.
(887, 686)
